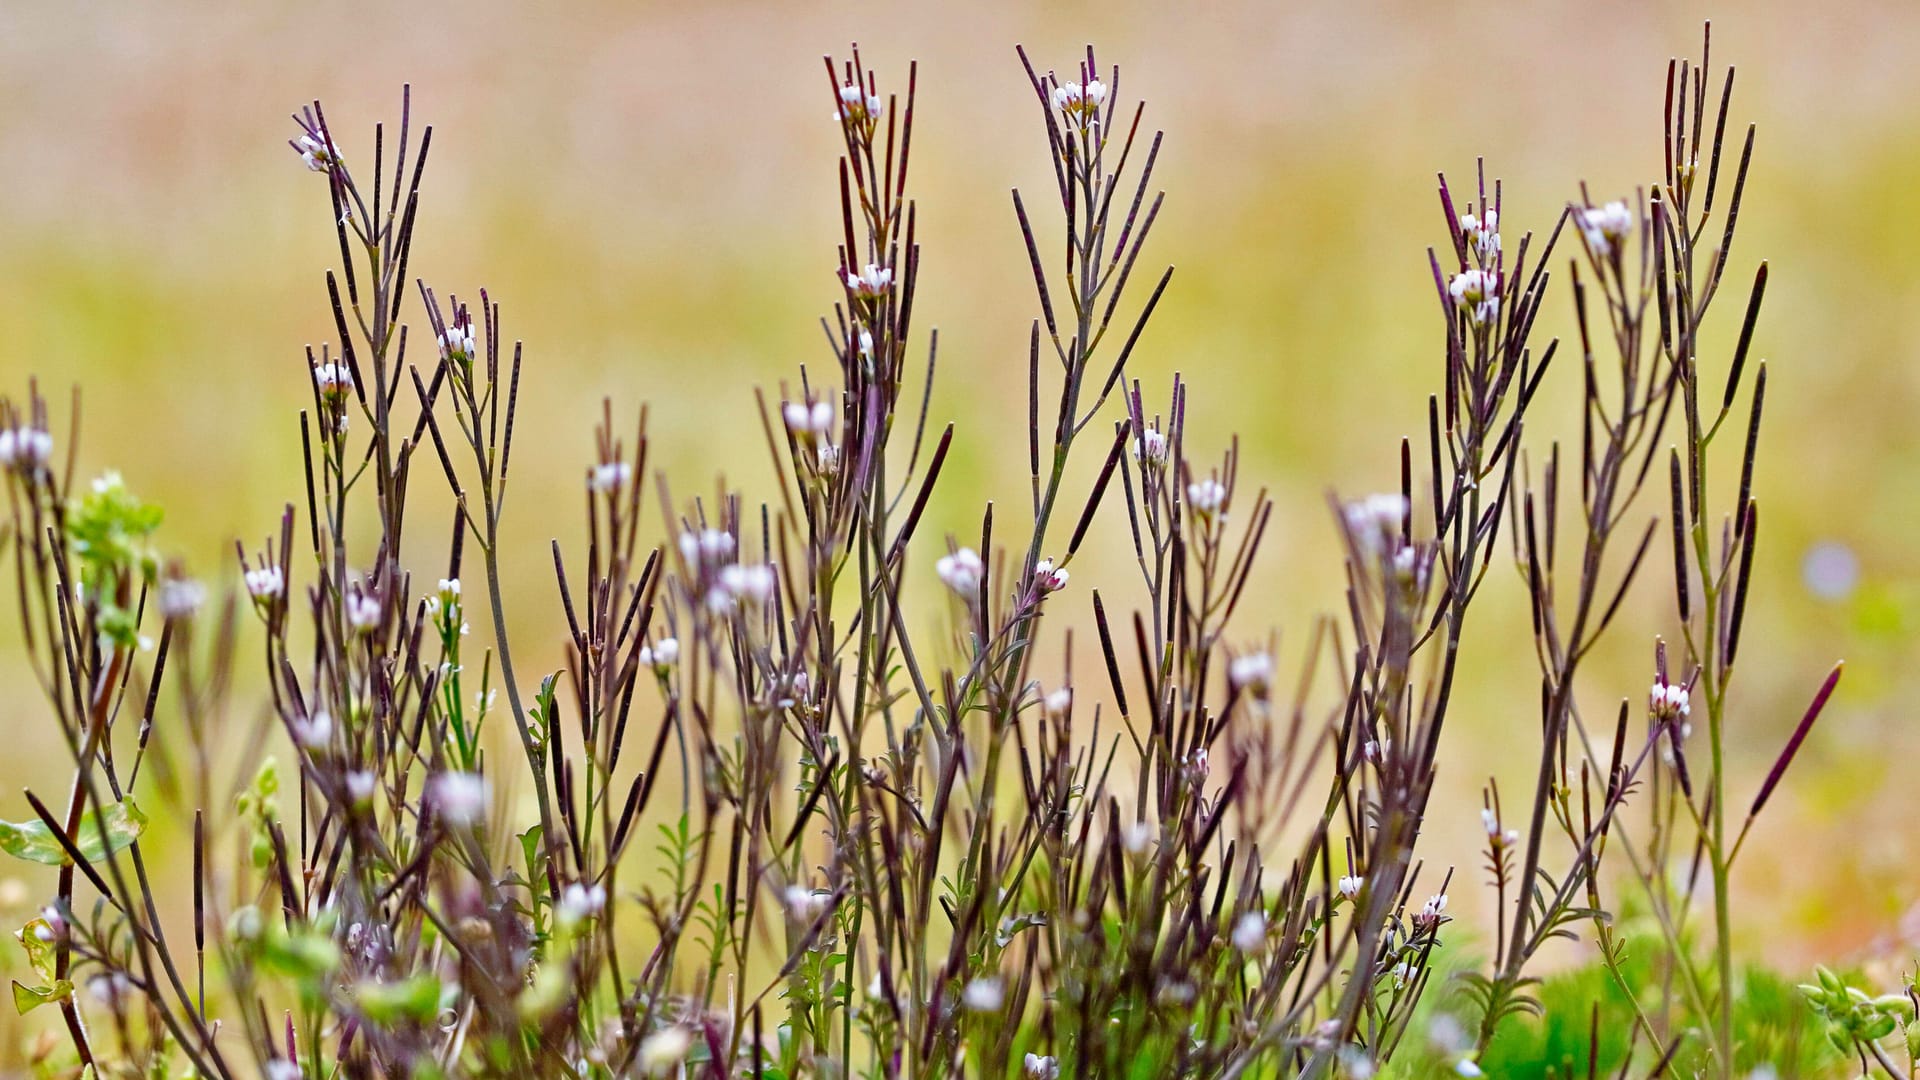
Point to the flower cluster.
(25, 450)
(1606, 226)
(1080, 104)
(1477, 292)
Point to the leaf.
(28, 998)
(35, 842)
(416, 998)
(37, 937)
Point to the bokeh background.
(650, 191)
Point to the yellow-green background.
(650, 192)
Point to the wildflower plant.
(774, 826)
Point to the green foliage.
(97, 836)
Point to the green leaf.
(28, 998)
(40, 949)
(416, 998)
(34, 842)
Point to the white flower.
(866, 343)
(334, 380)
(456, 342)
(1376, 519)
(961, 571)
(982, 995)
(1250, 932)
(661, 655)
(1198, 765)
(1490, 822)
(806, 904)
(752, 583)
(1150, 449)
(1037, 1067)
(110, 990)
(857, 106)
(609, 476)
(360, 785)
(871, 282)
(810, 421)
(318, 155)
(1136, 837)
(25, 449)
(1464, 1067)
(1403, 973)
(579, 901)
(1252, 672)
(1431, 911)
(281, 1068)
(1080, 103)
(1376, 751)
(706, 546)
(363, 611)
(664, 1049)
(1349, 886)
(315, 731)
(461, 798)
(1483, 236)
(1207, 496)
(1606, 226)
(1668, 701)
(1047, 578)
(1477, 292)
(180, 597)
(1058, 703)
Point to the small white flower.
(461, 798)
(1606, 226)
(363, 611)
(1048, 578)
(1251, 672)
(360, 786)
(982, 995)
(810, 421)
(1669, 701)
(334, 380)
(110, 990)
(609, 476)
(484, 700)
(1375, 520)
(871, 283)
(664, 1049)
(265, 583)
(1207, 496)
(1136, 837)
(1431, 911)
(25, 450)
(1058, 703)
(1080, 103)
(1349, 886)
(180, 597)
(1403, 973)
(580, 901)
(315, 732)
(1250, 932)
(1483, 236)
(456, 342)
(857, 106)
(806, 904)
(706, 546)
(866, 343)
(1464, 1067)
(1037, 1067)
(1198, 765)
(661, 655)
(1150, 449)
(1490, 822)
(752, 583)
(1376, 751)
(961, 571)
(314, 149)
(281, 1068)
(1477, 292)
(449, 591)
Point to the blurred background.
(650, 192)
